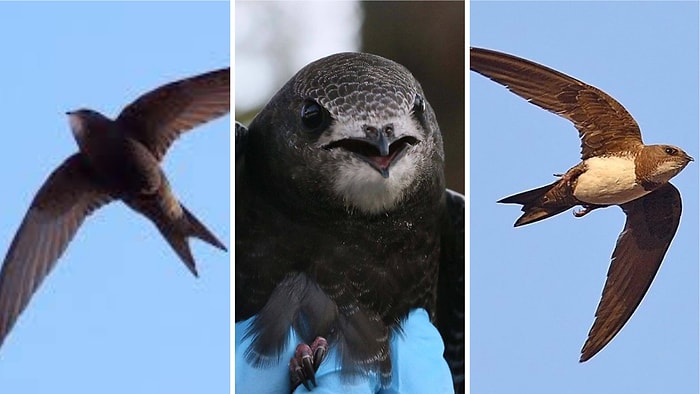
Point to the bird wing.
(651, 223)
(604, 125)
(450, 303)
(53, 218)
(158, 117)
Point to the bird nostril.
(370, 130)
(389, 130)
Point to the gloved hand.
(416, 356)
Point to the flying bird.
(343, 221)
(616, 168)
(117, 160)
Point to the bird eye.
(671, 151)
(313, 115)
(418, 104)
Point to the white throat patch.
(666, 170)
(358, 184)
(362, 187)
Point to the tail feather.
(182, 248)
(542, 202)
(198, 230)
(187, 226)
(527, 197)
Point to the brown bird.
(117, 160)
(616, 169)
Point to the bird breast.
(608, 181)
(125, 165)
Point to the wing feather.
(604, 125)
(58, 209)
(450, 304)
(159, 117)
(651, 223)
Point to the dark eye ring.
(418, 104)
(313, 115)
(671, 151)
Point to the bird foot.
(586, 209)
(305, 363)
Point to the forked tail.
(543, 202)
(187, 226)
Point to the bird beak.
(382, 143)
(379, 148)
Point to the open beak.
(378, 149)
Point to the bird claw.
(585, 210)
(305, 363)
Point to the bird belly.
(608, 181)
(127, 167)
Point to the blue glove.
(416, 357)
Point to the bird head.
(84, 121)
(356, 130)
(668, 161)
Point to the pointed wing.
(450, 303)
(651, 224)
(603, 124)
(56, 212)
(158, 117)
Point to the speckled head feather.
(350, 86)
(357, 92)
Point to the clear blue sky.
(120, 313)
(534, 289)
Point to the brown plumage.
(117, 160)
(651, 223)
(603, 124)
(616, 168)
